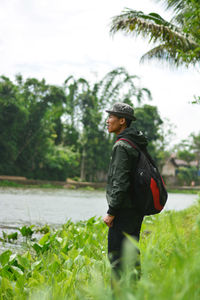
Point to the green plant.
(71, 262)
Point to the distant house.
(172, 165)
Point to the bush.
(187, 175)
(59, 164)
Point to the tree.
(52, 132)
(195, 147)
(13, 118)
(191, 145)
(85, 116)
(73, 88)
(119, 84)
(189, 150)
(179, 39)
(186, 155)
(187, 175)
(39, 99)
(27, 120)
(149, 122)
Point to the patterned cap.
(122, 110)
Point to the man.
(122, 216)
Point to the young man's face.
(115, 124)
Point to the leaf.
(36, 265)
(5, 257)
(27, 231)
(46, 247)
(12, 260)
(23, 261)
(5, 272)
(37, 248)
(5, 284)
(33, 282)
(17, 271)
(12, 236)
(4, 236)
(44, 239)
(54, 267)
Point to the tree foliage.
(176, 41)
(189, 151)
(55, 132)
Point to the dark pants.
(127, 221)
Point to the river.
(55, 206)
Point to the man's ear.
(122, 121)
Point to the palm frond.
(166, 53)
(161, 52)
(154, 28)
(151, 26)
(177, 5)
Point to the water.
(50, 206)
(19, 207)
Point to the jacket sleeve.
(121, 168)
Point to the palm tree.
(119, 84)
(177, 41)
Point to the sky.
(55, 39)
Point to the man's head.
(120, 116)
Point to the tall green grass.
(71, 262)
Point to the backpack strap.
(145, 152)
(130, 143)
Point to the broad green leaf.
(13, 236)
(44, 239)
(36, 265)
(37, 248)
(28, 256)
(12, 260)
(23, 261)
(4, 257)
(32, 282)
(5, 284)
(27, 231)
(54, 267)
(16, 271)
(6, 272)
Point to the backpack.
(149, 192)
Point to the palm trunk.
(83, 165)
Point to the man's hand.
(108, 219)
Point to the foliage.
(150, 123)
(179, 39)
(27, 114)
(195, 146)
(186, 155)
(53, 133)
(71, 262)
(189, 150)
(58, 265)
(187, 175)
(8, 183)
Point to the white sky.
(54, 39)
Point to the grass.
(8, 183)
(183, 191)
(71, 262)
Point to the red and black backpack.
(149, 192)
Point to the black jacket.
(122, 166)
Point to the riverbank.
(71, 262)
(11, 181)
(21, 182)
